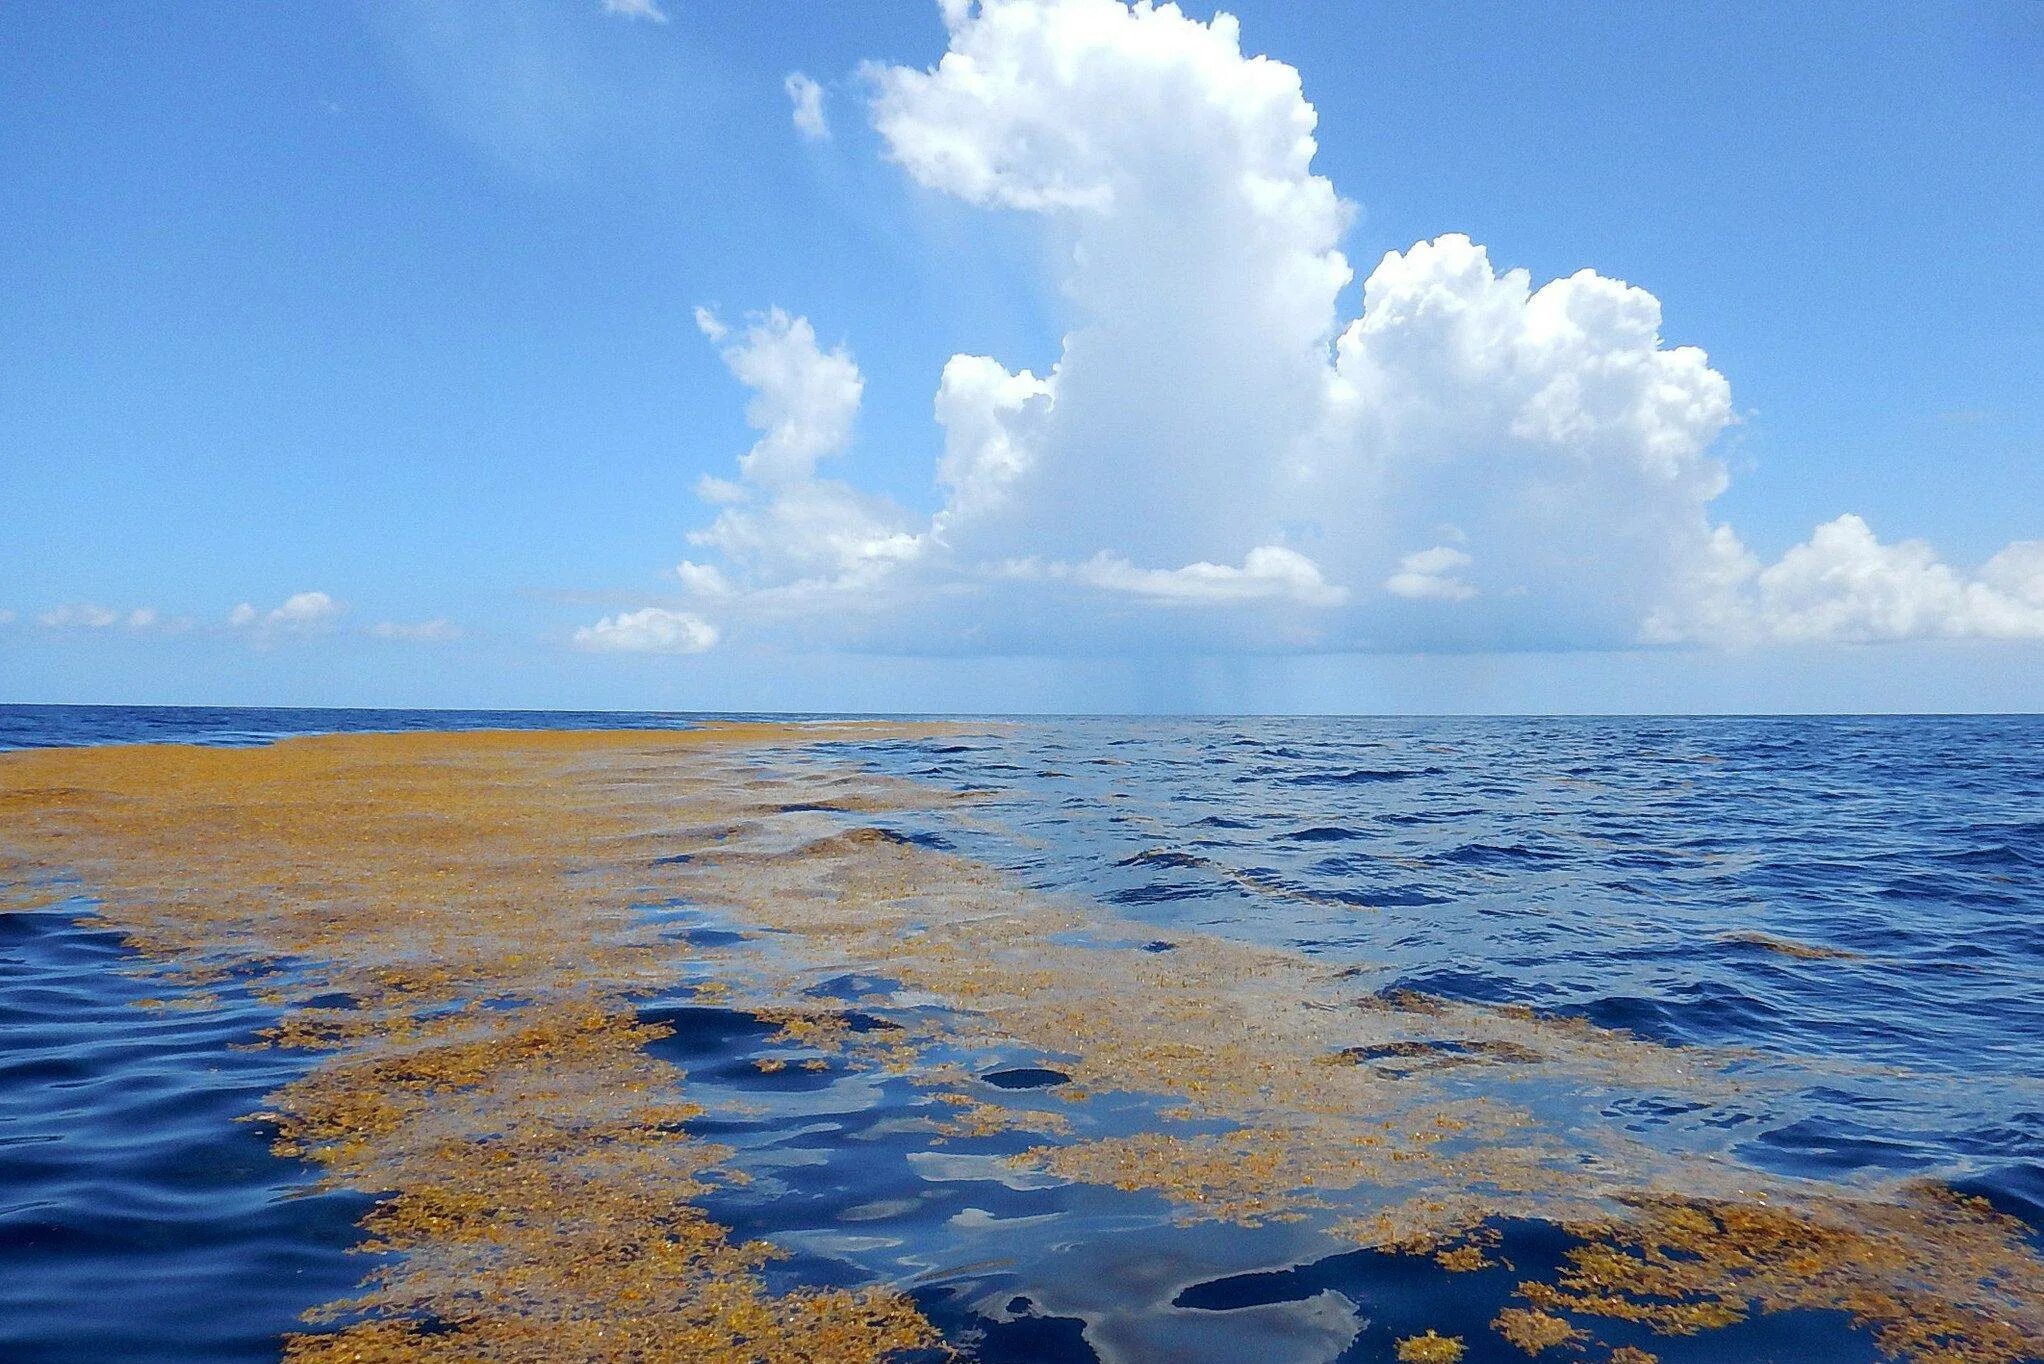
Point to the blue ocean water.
(1613, 869)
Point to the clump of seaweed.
(1790, 947)
(1430, 1348)
(1409, 1056)
(1533, 1330)
(1936, 1275)
(485, 1070)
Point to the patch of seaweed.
(470, 896)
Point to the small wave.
(1361, 776)
(1323, 833)
(1499, 855)
(1995, 857)
(1221, 822)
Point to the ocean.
(1841, 919)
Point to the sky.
(1023, 356)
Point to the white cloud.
(720, 492)
(804, 399)
(435, 631)
(649, 631)
(992, 422)
(806, 96)
(7, 617)
(1211, 407)
(702, 580)
(636, 9)
(1844, 585)
(83, 614)
(1199, 257)
(781, 522)
(88, 616)
(1429, 575)
(1268, 573)
(305, 608)
(300, 613)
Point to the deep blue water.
(1599, 867)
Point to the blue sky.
(381, 320)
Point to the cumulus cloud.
(806, 97)
(781, 522)
(1429, 575)
(300, 613)
(636, 9)
(88, 616)
(1845, 585)
(804, 399)
(435, 631)
(1211, 407)
(702, 580)
(653, 630)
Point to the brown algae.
(1430, 1348)
(465, 893)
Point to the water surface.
(1856, 902)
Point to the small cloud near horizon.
(636, 9)
(91, 616)
(654, 630)
(436, 631)
(301, 612)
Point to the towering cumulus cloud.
(1219, 459)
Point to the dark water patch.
(704, 1030)
(1829, 1148)
(1019, 1335)
(708, 937)
(853, 986)
(140, 1217)
(1026, 1077)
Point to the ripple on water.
(140, 1217)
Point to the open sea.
(1637, 873)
